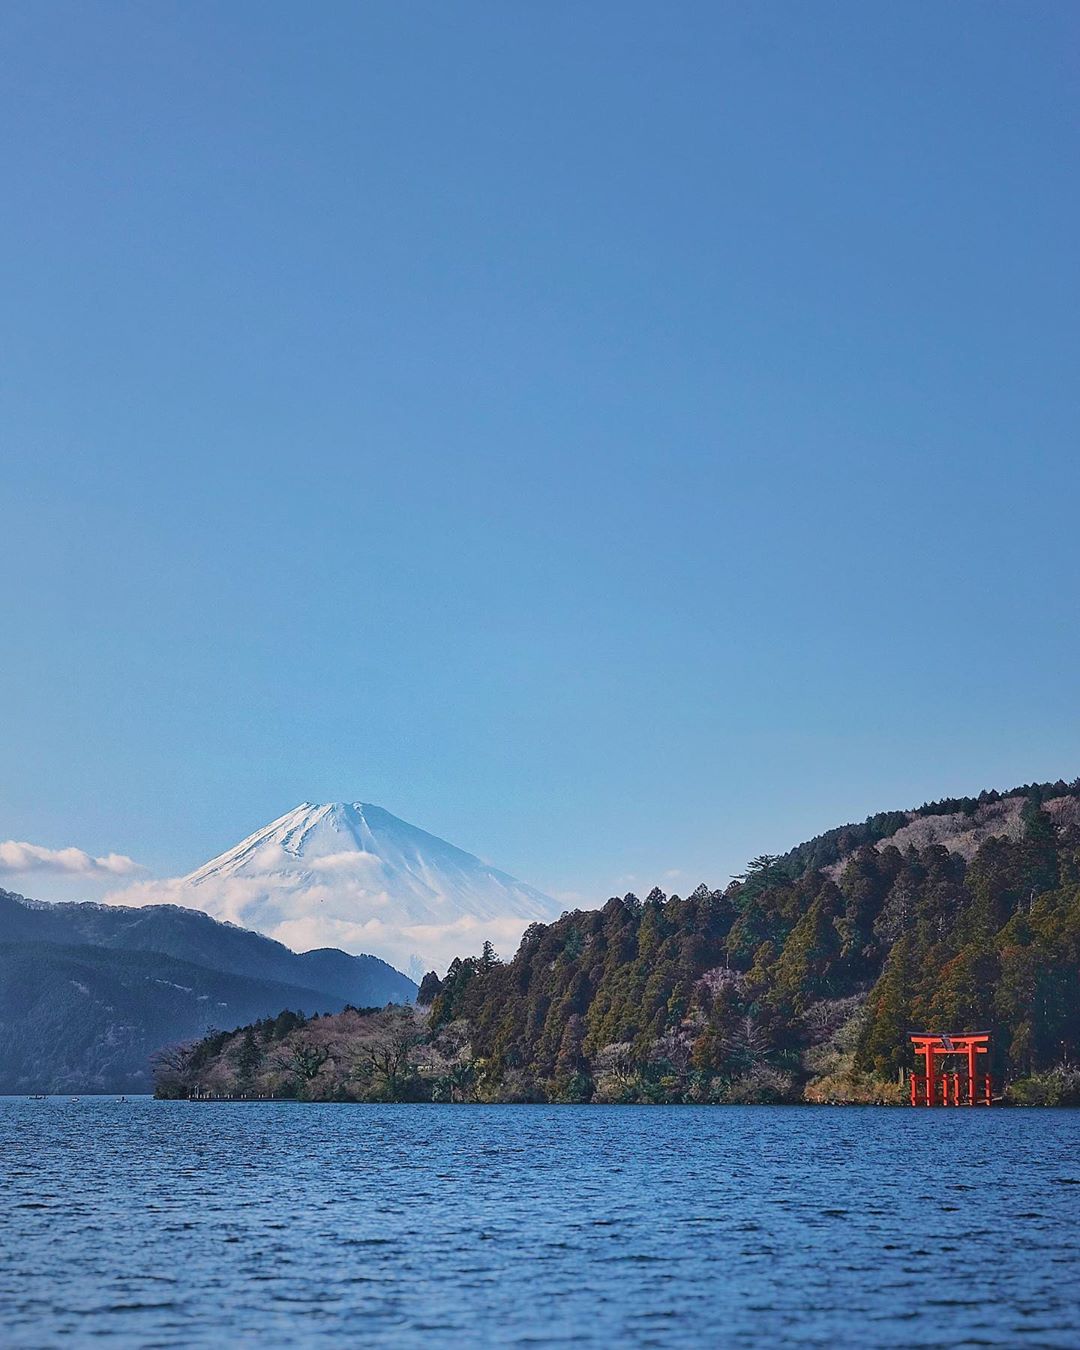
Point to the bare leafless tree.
(617, 1062)
(171, 1068)
(302, 1059)
(748, 1043)
(387, 1057)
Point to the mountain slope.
(188, 935)
(961, 916)
(88, 991)
(88, 1019)
(351, 875)
(960, 824)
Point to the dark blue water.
(182, 1224)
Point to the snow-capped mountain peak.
(352, 875)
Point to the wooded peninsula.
(798, 982)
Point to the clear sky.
(621, 438)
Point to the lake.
(184, 1224)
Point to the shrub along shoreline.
(392, 1054)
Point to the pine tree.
(884, 1046)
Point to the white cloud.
(18, 857)
(330, 912)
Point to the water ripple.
(171, 1224)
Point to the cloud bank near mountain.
(351, 875)
(305, 918)
(18, 858)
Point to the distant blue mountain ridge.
(89, 992)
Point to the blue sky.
(619, 439)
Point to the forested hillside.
(88, 992)
(188, 935)
(799, 980)
(86, 1019)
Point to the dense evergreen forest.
(798, 981)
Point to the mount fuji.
(351, 875)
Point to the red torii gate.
(931, 1088)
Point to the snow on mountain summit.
(352, 875)
(427, 879)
